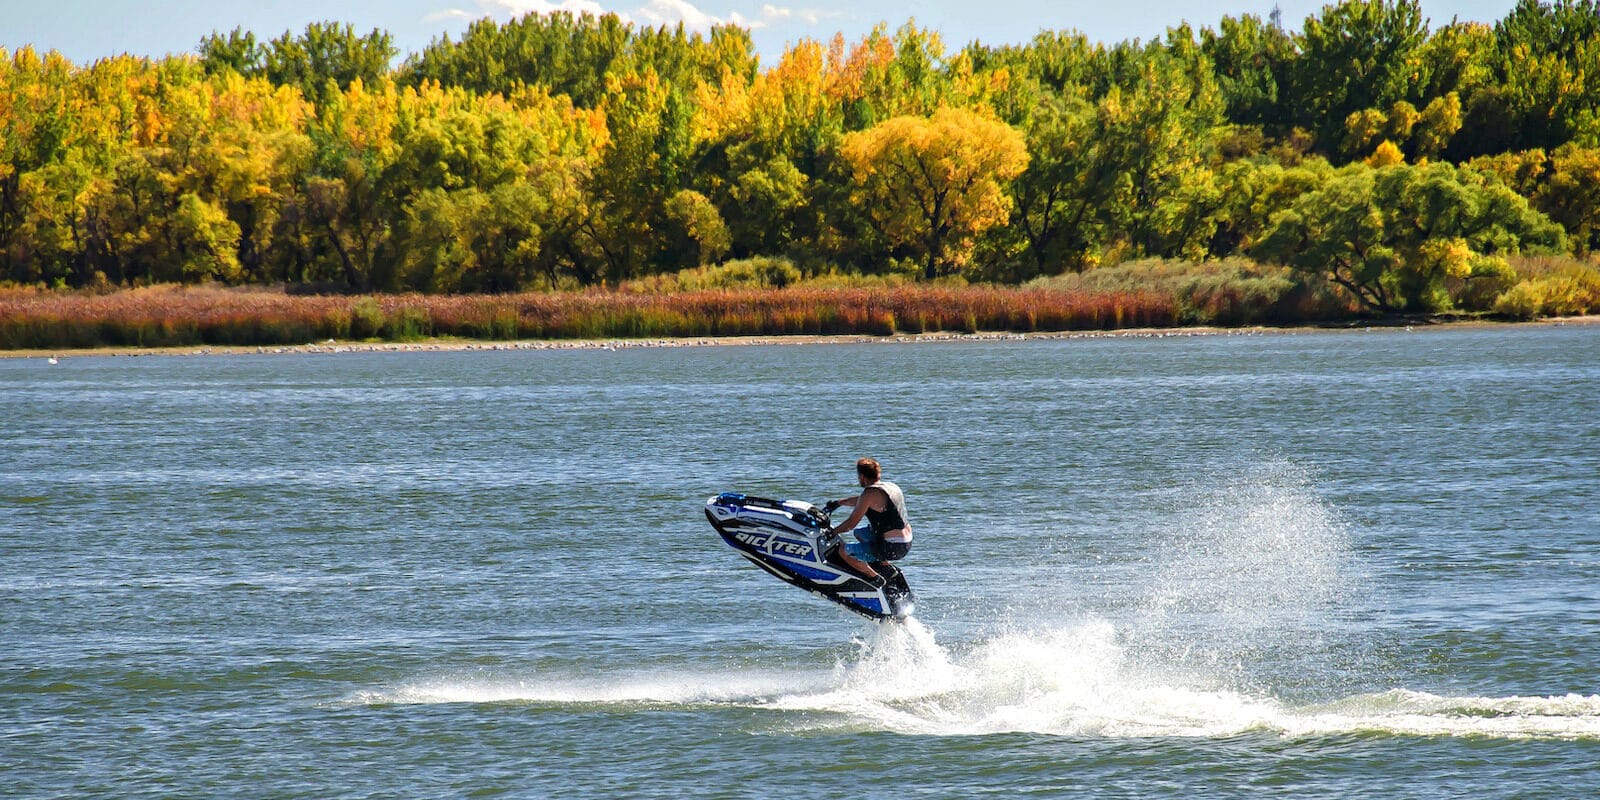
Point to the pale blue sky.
(85, 30)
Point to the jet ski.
(790, 539)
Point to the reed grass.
(164, 316)
(1229, 291)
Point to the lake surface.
(1358, 564)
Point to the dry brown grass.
(165, 316)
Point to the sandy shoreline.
(331, 347)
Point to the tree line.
(1407, 164)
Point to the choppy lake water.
(1291, 565)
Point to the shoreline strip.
(463, 345)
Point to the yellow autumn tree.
(933, 184)
(1386, 155)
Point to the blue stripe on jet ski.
(809, 573)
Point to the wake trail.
(1071, 681)
(1229, 620)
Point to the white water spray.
(1069, 681)
(1243, 587)
(1246, 585)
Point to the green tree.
(472, 240)
(1396, 237)
(1251, 58)
(1053, 60)
(564, 53)
(1422, 135)
(618, 231)
(697, 233)
(1542, 91)
(1123, 171)
(757, 143)
(474, 182)
(1458, 57)
(574, 55)
(346, 211)
(1068, 181)
(1253, 192)
(1163, 135)
(1355, 55)
(36, 134)
(1523, 172)
(239, 52)
(914, 82)
(324, 59)
(1571, 195)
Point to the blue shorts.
(870, 546)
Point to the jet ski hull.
(789, 539)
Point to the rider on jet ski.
(887, 536)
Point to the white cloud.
(771, 14)
(448, 15)
(782, 16)
(508, 9)
(671, 12)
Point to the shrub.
(407, 324)
(834, 279)
(1232, 291)
(761, 272)
(1487, 278)
(1551, 287)
(1523, 301)
(366, 319)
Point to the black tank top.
(891, 518)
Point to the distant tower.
(1276, 17)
